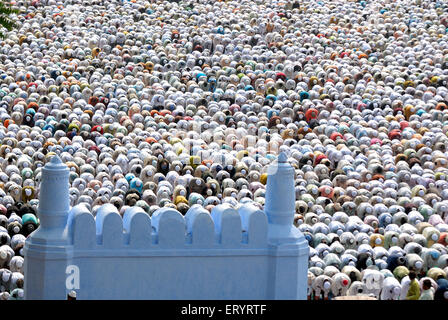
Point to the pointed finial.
(282, 158)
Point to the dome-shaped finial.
(54, 185)
(56, 160)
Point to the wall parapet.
(225, 227)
